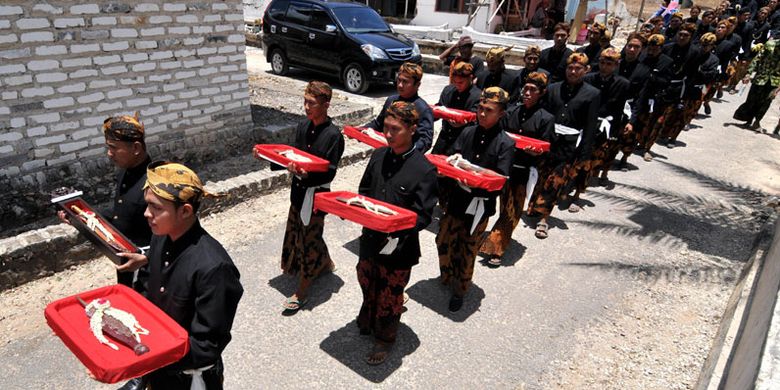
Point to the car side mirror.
(330, 28)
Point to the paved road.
(689, 210)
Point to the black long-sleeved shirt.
(614, 93)
(409, 181)
(467, 100)
(575, 107)
(506, 80)
(652, 75)
(127, 214)
(554, 61)
(423, 136)
(194, 281)
(534, 122)
(325, 141)
(488, 148)
(476, 62)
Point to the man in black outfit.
(497, 75)
(553, 59)
(462, 94)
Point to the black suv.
(333, 37)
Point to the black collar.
(190, 237)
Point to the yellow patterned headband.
(174, 182)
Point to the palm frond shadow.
(738, 193)
(642, 234)
(652, 273)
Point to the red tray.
(357, 133)
(270, 152)
(490, 182)
(326, 201)
(461, 116)
(521, 142)
(167, 341)
(122, 243)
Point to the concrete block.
(220, 79)
(85, 9)
(145, 67)
(173, 87)
(219, 7)
(119, 93)
(36, 131)
(132, 80)
(18, 122)
(49, 117)
(124, 33)
(162, 98)
(9, 95)
(146, 32)
(174, 7)
(47, 8)
(8, 10)
(5, 24)
(193, 63)
(18, 80)
(184, 53)
(239, 77)
(38, 36)
(151, 111)
(228, 68)
(104, 21)
(198, 6)
(15, 53)
(49, 140)
(218, 60)
(85, 48)
(160, 19)
(146, 7)
(156, 78)
(61, 159)
(109, 106)
(53, 77)
(116, 46)
(148, 90)
(135, 57)
(161, 55)
(177, 106)
(10, 136)
(37, 91)
(76, 62)
(178, 30)
(33, 165)
(188, 94)
(115, 8)
(66, 35)
(187, 19)
(59, 102)
(42, 152)
(105, 60)
(131, 20)
(32, 23)
(114, 70)
(138, 102)
(212, 18)
(97, 84)
(38, 65)
(94, 34)
(200, 102)
(69, 22)
(63, 126)
(170, 65)
(202, 30)
(145, 45)
(226, 49)
(193, 41)
(207, 71)
(83, 73)
(184, 75)
(209, 91)
(234, 17)
(78, 87)
(73, 146)
(93, 121)
(51, 50)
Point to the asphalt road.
(691, 209)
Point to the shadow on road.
(350, 348)
(321, 290)
(435, 296)
(651, 273)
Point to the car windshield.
(360, 20)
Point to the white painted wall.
(428, 16)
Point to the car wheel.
(355, 79)
(279, 62)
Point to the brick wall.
(67, 65)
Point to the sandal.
(293, 304)
(541, 230)
(406, 297)
(494, 261)
(378, 354)
(574, 208)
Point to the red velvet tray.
(120, 242)
(167, 341)
(357, 133)
(490, 182)
(461, 116)
(537, 145)
(326, 201)
(270, 152)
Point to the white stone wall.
(67, 65)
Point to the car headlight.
(374, 52)
(415, 50)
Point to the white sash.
(308, 203)
(477, 209)
(392, 243)
(566, 130)
(652, 104)
(533, 177)
(605, 125)
(197, 377)
(627, 107)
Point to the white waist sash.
(566, 130)
(197, 377)
(308, 203)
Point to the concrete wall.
(66, 65)
(428, 16)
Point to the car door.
(295, 31)
(323, 40)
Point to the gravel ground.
(627, 294)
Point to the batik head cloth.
(708, 39)
(656, 40)
(578, 58)
(123, 128)
(463, 69)
(598, 27)
(412, 70)
(496, 53)
(539, 79)
(405, 112)
(174, 182)
(533, 50)
(611, 53)
(495, 95)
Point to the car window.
(320, 19)
(298, 13)
(277, 9)
(360, 20)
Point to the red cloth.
(537, 145)
(270, 152)
(357, 133)
(490, 182)
(452, 114)
(326, 201)
(167, 341)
